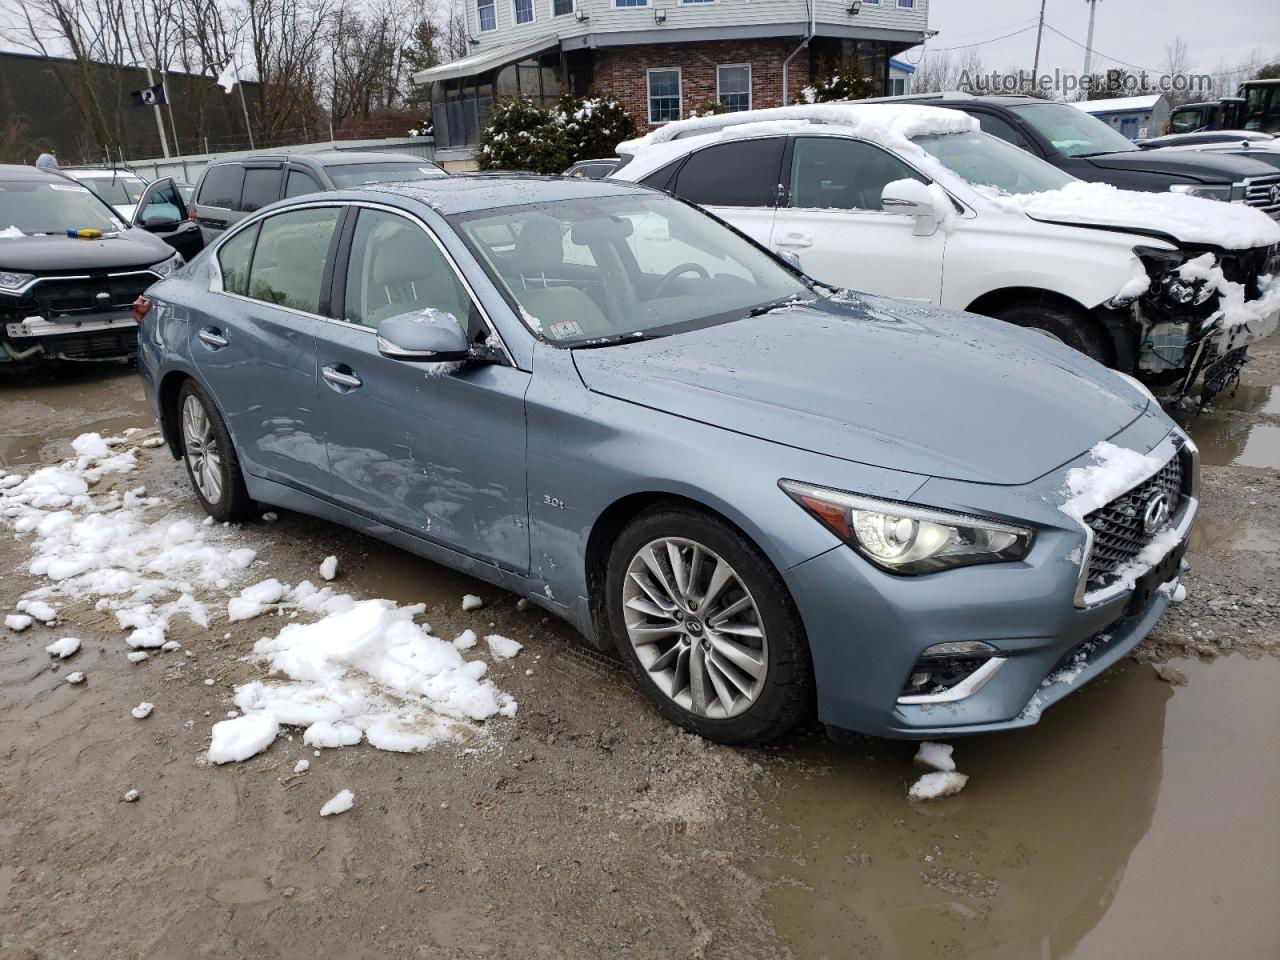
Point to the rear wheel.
(706, 627)
(212, 465)
(1063, 324)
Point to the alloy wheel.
(695, 627)
(201, 445)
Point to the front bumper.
(106, 336)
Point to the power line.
(965, 46)
(1099, 53)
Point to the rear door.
(738, 181)
(429, 449)
(834, 221)
(254, 342)
(162, 211)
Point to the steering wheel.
(677, 271)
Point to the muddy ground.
(1138, 819)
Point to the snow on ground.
(63, 648)
(363, 670)
(504, 648)
(142, 710)
(341, 803)
(1114, 471)
(935, 786)
(75, 678)
(329, 567)
(471, 602)
(935, 756)
(302, 766)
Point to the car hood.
(881, 382)
(1183, 165)
(48, 254)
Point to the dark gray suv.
(230, 189)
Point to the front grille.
(56, 297)
(101, 345)
(1118, 536)
(1263, 193)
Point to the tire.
(210, 457)
(735, 706)
(1064, 324)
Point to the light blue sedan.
(762, 493)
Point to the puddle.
(1211, 535)
(46, 409)
(1118, 827)
(1250, 398)
(1224, 441)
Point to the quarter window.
(743, 173)
(664, 95)
(828, 173)
(233, 260)
(221, 186)
(523, 11)
(288, 262)
(733, 86)
(395, 268)
(300, 183)
(488, 13)
(260, 188)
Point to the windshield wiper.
(614, 340)
(764, 308)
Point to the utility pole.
(1088, 43)
(1035, 66)
(164, 141)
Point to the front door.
(833, 220)
(431, 449)
(254, 343)
(162, 211)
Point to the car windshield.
(598, 270)
(1072, 131)
(35, 207)
(122, 189)
(357, 174)
(988, 161)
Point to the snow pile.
(63, 648)
(471, 602)
(75, 678)
(935, 756)
(1232, 226)
(1233, 309)
(503, 648)
(17, 622)
(341, 803)
(329, 567)
(368, 671)
(302, 766)
(241, 738)
(254, 601)
(1115, 470)
(935, 786)
(465, 640)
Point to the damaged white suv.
(916, 202)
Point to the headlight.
(906, 539)
(1209, 191)
(166, 267)
(14, 281)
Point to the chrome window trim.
(215, 279)
(965, 688)
(20, 291)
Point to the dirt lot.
(1138, 819)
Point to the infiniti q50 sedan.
(763, 493)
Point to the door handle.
(212, 337)
(341, 378)
(795, 240)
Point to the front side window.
(741, 173)
(733, 86)
(396, 268)
(300, 183)
(523, 11)
(288, 262)
(584, 270)
(163, 204)
(1073, 132)
(233, 260)
(560, 8)
(488, 13)
(664, 95)
(1262, 108)
(260, 188)
(1185, 121)
(999, 127)
(987, 162)
(829, 173)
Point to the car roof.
(454, 195)
(327, 158)
(19, 171)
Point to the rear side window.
(221, 186)
(300, 183)
(739, 174)
(260, 188)
(233, 260)
(288, 263)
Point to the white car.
(916, 202)
(120, 188)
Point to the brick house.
(662, 58)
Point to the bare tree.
(1178, 63)
(940, 71)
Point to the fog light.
(950, 671)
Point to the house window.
(560, 8)
(907, 4)
(897, 86)
(488, 11)
(524, 10)
(630, 3)
(664, 95)
(697, 1)
(733, 86)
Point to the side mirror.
(790, 258)
(911, 198)
(159, 223)
(427, 336)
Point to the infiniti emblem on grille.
(1156, 513)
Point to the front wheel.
(706, 627)
(1066, 326)
(210, 458)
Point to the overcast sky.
(1132, 30)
